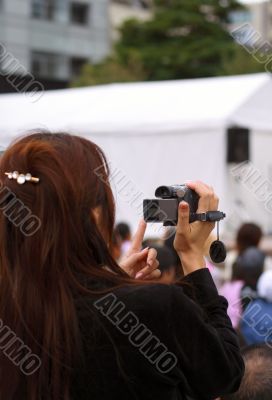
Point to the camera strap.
(209, 216)
(218, 250)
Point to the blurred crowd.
(244, 279)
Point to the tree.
(109, 71)
(241, 62)
(184, 39)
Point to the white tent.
(160, 133)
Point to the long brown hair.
(49, 241)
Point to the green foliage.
(184, 39)
(241, 62)
(109, 71)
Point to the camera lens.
(181, 192)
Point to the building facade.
(52, 39)
(270, 21)
(258, 18)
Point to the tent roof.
(256, 113)
(136, 108)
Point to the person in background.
(257, 381)
(264, 286)
(152, 241)
(245, 274)
(248, 235)
(250, 266)
(166, 256)
(169, 243)
(123, 230)
(232, 292)
(256, 322)
(167, 263)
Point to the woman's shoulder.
(152, 298)
(163, 301)
(197, 288)
(154, 291)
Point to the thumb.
(183, 217)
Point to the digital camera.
(164, 209)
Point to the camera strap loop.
(218, 251)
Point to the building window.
(43, 9)
(76, 65)
(146, 4)
(79, 13)
(44, 65)
(239, 17)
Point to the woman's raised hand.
(190, 239)
(138, 263)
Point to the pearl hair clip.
(21, 178)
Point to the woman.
(248, 235)
(83, 326)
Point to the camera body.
(164, 209)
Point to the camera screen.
(160, 210)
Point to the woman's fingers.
(214, 203)
(151, 265)
(204, 193)
(138, 238)
(191, 236)
(154, 275)
(141, 264)
(147, 270)
(208, 201)
(152, 256)
(134, 262)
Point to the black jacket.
(155, 343)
